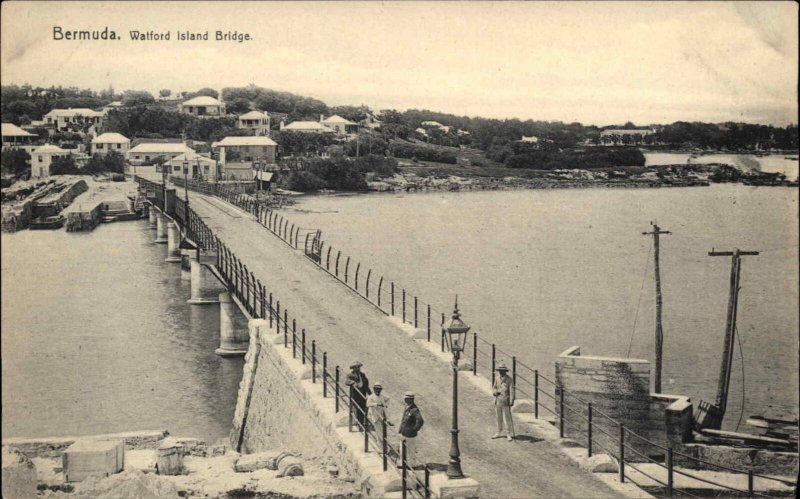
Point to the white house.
(339, 125)
(156, 152)
(436, 124)
(104, 143)
(246, 149)
(529, 140)
(203, 105)
(254, 120)
(306, 126)
(199, 165)
(15, 137)
(370, 121)
(42, 157)
(76, 120)
(111, 105)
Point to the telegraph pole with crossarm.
(659, 331)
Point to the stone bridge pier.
(173, 243)
(152, 216)
(161, 228)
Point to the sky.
(593, 62)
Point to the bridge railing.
(600, 430)
(260, 303)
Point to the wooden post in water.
(659, 331)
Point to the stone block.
(441, 486)
(523, 406)
(170, 457)
(602, 463)
(258, 461)
(99, 458)
(19, 475)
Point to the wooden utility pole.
(659, 331)
(730, 326)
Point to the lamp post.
(456, 340)
(164, 181)
(186, 181)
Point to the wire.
(638, 303)
(741, 357)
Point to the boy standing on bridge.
(503, 391)
(377, 404)
(359, 389)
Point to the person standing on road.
(377, 403)
(409, 428)
(503, 391)
(359, 389)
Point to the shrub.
(552, 159)
(423, 153)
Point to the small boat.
(47, 223)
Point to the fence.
(396, 301)
(601, 432)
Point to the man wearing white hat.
(503, 391)
(409, 428)
(377, 404)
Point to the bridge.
(312, 313)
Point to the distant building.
(110, 106)
(156, 152)
(245, 149)
(339, 125)
(77, 120)
(42, 157)
(529, 140)
(15, 137)
(305, 126)
(435, 124)
(104, 143)
(203, 105)
(371, 122)
(257, 121)
(199, 165)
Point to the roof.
(263, 176)
(203, 100)
(12, 130)
(48, 148)
(113, 138)
(307, 125)
(78, 111)
(244, 141)
(337, 119)
(191, 156)
(432, 123)
(534, 139)
(161, 147)
(253, 115)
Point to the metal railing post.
(324, 374)
(561, 411)
(621, 456)
(536, 394)
(313, 361)
(474, 353)
(494, 360)
(416, 323)
(429, 323)
(750, 488)
(294, 340)
(403, 467)
(442, 331)
(346, 269)
(392, 295)
(350, 410)
(270, 311)
(358, 267)
(669, 472)
(589, 432)
(366, 429)
(278, 317)
(303, 339)
(404, 306)
(384, 445)
(427, 482)
(337, 389)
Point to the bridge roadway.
(350, 329)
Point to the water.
(772, 163)
(539, 271)
(97, 337)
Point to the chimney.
(282, 124)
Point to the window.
(137, 157)
(147, 158)
(99, 146)
(40, 159)
(177, 168)
(119, 146)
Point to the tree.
(64, 165)
(165, 93)
(15, 161)
(239, 105)
(137, 98)
(208, 92)
(112, 162)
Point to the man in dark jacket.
(409, 428)
(359, 390)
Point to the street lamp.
(186, 181)
(164, 181)
(456, 340)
